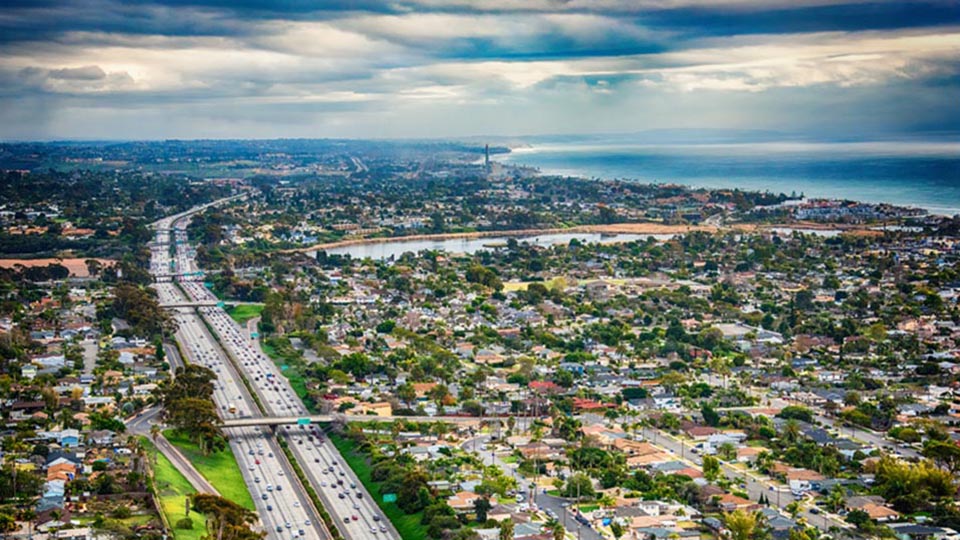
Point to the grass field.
(408, 525)
(219, 469)
(172, 490)
(244, 312)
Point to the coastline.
(865, 183)
(639, 228)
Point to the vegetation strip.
(219, 468)
(171, 489)
(408, 525)
(308, 488)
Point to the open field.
(77, 267)
(220, 469)
(244, 312)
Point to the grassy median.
(244, 312)
(220, 469)
(172, 490)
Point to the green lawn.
(408, 525)
(220, 469)
(172, 490)
(244, 312)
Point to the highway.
(281, 504)
(324, 418)
(231, 356)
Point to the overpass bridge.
(193, 304)
(207, 303)
(166, 278)
(324, 418)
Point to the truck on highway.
(232, 408)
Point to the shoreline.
(613, 228)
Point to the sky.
(142, 69)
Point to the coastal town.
(422, 342)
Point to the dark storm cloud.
(462, 66)
(85, 73)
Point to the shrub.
(121, 512)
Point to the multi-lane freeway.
(211, 338)
(283, 508)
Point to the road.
(851, 432)
(751, 482)
(90, 350)
(315, 453)
(140, 425)
(558, 505)
(280, 500)
(235, 359)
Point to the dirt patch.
(77, 267)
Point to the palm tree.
(506, 529)
(556, 529)
(154, 432)
(791, 431)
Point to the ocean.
(918, 174)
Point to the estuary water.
(919, 174)
(394, 248)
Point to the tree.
(617, 529)
(710, 415)
(745, 525)
(727, 451)
(407, 394)
(793, 509)
(910, 487)
(579, 485)
(198, 419)
(945, 454)
(226, 519)
(481, 506)
(556, 529)
(711, 468)
(859, 518)
(796, 412)
(506, 529)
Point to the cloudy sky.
(436, 68)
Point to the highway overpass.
(207, 303)
(323, 418)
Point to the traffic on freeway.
(284, 510)
(347, 501)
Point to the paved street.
(545, 502)
(90, 350)
(140, 425)
(751, 481)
